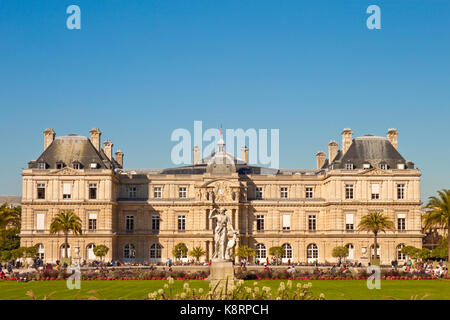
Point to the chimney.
(49, 136)
(107, 146)
(94, 136)
(392, 136)
(244, 150)
(332, 150)
(320, 156)
(119, 157)
(347, 138)
(195, 155)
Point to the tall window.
(129, 223)
(260, 222)
(349, 191)
(373, 253)
(129, 251)
(400, 255)
(312, 223)
(259, 193)
(349, 225)
(309, 193)
(92, 222)
(351, 251)
(155, 222)
(401, 191)
(90, 252)
(287, 251)
(383, 166)
(92, 191)
(182, 192)
(401, 222)
(312, 252)
(132, 192)
(67, 190)
(41, 190)
(63, 251)
(40, 251)
(157, 192)
(155, 251)
(375, 191)
(286, 222)
(284, 193)
(181, 223)
(261, 252)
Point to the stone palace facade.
(142, 214)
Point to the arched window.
(372, 253)
(63, 251)
(261, 252)
(287, 251)
(155, 251)
(129, 251)
(90, 252)
(351, 251)
(312, 252)
(40, 251)
(400, 255)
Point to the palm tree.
(375, 222)
(439, 214)
(9, 216)
(65, 222)
(197, 252)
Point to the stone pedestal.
(221, 271)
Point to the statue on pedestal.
(222, 247)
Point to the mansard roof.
(369, 149)
(73, 149)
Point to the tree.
(439, 214)
(245, 252)
(441, 251)
(9, 217)
(410, 251)
(375, 222)
(66, 221)
(277, 252)
(197, 253)
(340, 252)
(101, 251)
(180, 250)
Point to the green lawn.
(139, 289)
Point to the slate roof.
(369, 149)
(70, 149)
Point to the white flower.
(266, 289)
(256, 289)
(200, 291)
(170, 280)
(249, 290)
(322, 296)
(166, 286)
(255, 283)
(183, 295)
(186, 285)
(289, 284)
(160, 291)
(299, 285)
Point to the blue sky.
(140, 69)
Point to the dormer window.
(42, 165)
(400, 166)
(366, 165)
(76, 165)
(349, 166)
(383, 166)
(93, 165)
(60, 165)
